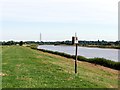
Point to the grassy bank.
(99, 61)
(0, 66)
(27, 68)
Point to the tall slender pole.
(40, 37)
(76, 59)
(76, 42)
(75, 34)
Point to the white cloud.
(59, 10)
(92, 14)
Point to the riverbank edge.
(97, 61)
(94, 46)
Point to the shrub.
(21, 43)
(33, 46)
(81, 58)
(105, 62)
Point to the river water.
(111, 54)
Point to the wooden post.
(76, 59)
(75, 42)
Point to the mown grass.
(23, 67)
(0, 66)
(99, 61)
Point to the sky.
(58, 20)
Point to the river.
(111, 54)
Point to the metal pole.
(76, 59)
(40, 37)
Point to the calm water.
(111, 54)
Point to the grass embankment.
(0, 66)
(99, 61)
(27, 68)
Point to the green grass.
(98, 61)
(0, 66)
(23, 67)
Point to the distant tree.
(21, 43)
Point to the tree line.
(67, 42)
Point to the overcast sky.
(59, 19)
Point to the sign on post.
(76, 40)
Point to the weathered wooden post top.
(75, 39)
